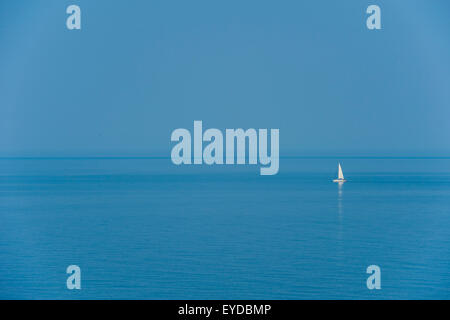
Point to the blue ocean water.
(146, 229)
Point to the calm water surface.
(145, 229)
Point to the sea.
(143, 228)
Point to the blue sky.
(140, 69)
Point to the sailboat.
(340, 178)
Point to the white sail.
(340, 174)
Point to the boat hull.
(339, 180)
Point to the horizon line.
(168, 157)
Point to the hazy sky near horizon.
(140, 69)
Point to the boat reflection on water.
(340, 193)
